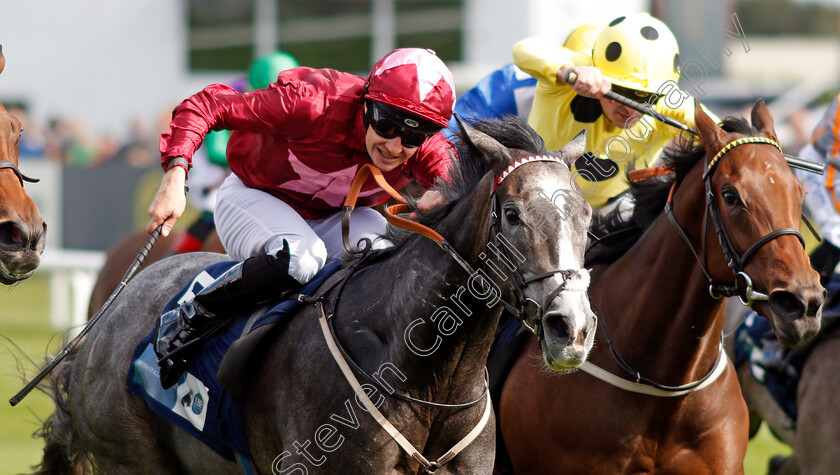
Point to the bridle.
(736, 262)
(528, 311)
(20, 175)
(520, 308)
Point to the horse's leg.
(783, 465)
(818, 425)
(759, 400)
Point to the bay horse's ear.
(762, 120)
(572, 150)
(711, 135)
(494, 152)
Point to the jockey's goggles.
(636, 95)
(388, 122)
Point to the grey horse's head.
(540, 225)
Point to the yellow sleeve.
(542, 61)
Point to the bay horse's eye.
(730, 197)
(512, 216)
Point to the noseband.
(528, 311)
(736, 262)
(21, 176)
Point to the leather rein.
(528, 311)
(20, 175)
(347, 365)
(735, 261)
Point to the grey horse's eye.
(512, 216)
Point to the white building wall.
(493, 26)
(100, 61)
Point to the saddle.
(205, 402)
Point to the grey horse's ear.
(573, 150)
(496, 154)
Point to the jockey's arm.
(553, 64)
(170, 201)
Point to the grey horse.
(814, 435)
(300, 414)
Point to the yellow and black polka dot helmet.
(637, 52)
(582, 38)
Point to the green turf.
(24, 319)
(24, 334)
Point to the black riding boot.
(614, 217)
(238, 291)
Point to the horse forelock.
(650, 195)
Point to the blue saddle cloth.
(198, 403)
(754, 342)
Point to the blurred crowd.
(72, 142)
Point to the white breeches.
(251, 222)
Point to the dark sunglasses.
(636, 95)
(388, 129)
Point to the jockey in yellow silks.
(635, 56)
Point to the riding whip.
(138, 261)
(793, 162)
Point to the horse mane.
(651, 194)
(465, 171)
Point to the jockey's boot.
(240, 290)
(613, 217)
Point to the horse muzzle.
(796, 314)
(567, 337)
(20, 250)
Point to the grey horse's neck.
(418, 315)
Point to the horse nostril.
(786, 305)
(816, 302)
(12, 237)
(38, 236)
(557, 324)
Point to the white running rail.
(72, 276)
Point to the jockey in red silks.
(295, 148)
(211, 158)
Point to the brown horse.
(657, 305)
(22, 229)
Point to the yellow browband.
(741, 141)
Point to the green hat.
(264, 70)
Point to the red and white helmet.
(416, 81)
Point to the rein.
(526, 307)
(345, 362)
(735, 261)
(20, 175)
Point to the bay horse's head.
(755, 203)
(537, 235)
(22, 229)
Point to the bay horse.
(663, 323)
(412, 309)
(22, 229)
